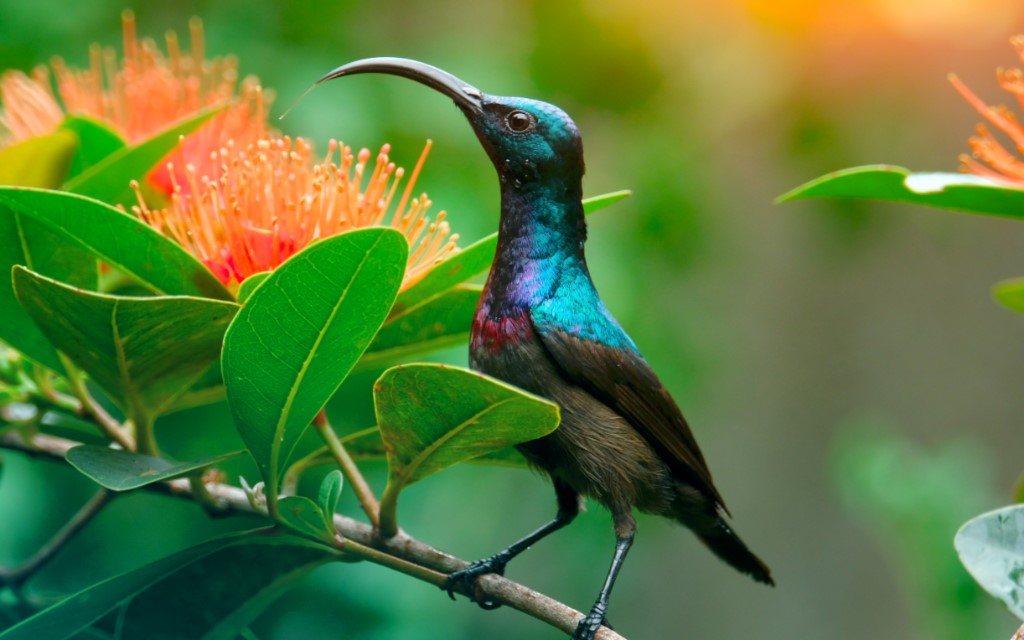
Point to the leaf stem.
(92, 409)
(387, 527)
(145, 439)
(367, 500)
(17, 576)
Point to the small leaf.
(962, 192)
(330, 492)
(249, 285)
(116, 238)
(109, 179)
(434, 416)
(474, 259)
(438, 323)
(991, 546)
(144, 352)
(590, 205)
(208, 592)
(305, 518)
(301, 332)
(96, 141)
(1010, 293)
(120, 470)
(41, 161)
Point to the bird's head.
(530, 142)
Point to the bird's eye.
(519, 121)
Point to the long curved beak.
(467, 97)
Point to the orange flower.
(1002, 164)
(144, 94)
(29, 108)
(269, 200)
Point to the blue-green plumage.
(541, 326)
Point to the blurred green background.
(854, 388)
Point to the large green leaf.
(301, 332)
(118, 239)
(368, 445)
(474, 259)
(41, 161)
(962, 192)
(991, 546)
(24, 241)
(109, 179)
(441, 322)
(144, 352)
(434, 416)
(208, 592)
(120, 470)
(96, 141)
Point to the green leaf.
(1010, 293)
(96, 141)
(474, 259)
(962, 192)
(144, 352)
(305, 518)
(249, 285)
(301, 332)
(367, 445)
(991, 546)
(120, 470)
(330, 492)
(434, 416)
(441, 322)
(26, 242)
(109, 179)
(590, 205)
(208, 592)
(118, 239)
(41, 161)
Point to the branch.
(402, 552)
(17, 576)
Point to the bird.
(541, 326)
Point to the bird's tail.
(725, 544)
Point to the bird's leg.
(625, 529)
(568, 509)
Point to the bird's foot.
(588, 626)
(467, 577)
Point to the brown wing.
(622, 379)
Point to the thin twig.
(43, 379)
(353, 475)
(400, 547)
(92, 409)
(17, 576)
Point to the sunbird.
(541, 326)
